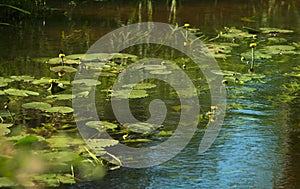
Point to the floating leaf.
(154, 67)
(60, 109)
(138, 140)
(74, 56)
(61, 96)
(4, 128)
(140, 86)
(64, 141)
(68, 69)
(86, 82)
(28, 140)
(19, 92)
(54, 180)
(99, 125)
(279, 49)
(160, 72)
(26, 78)
(2, 92)
(235, 33)
(101, 143)
(42, 81)
(4, 81)
(59, 61)
(275, 30)
(37, 105)
(125, 94)
(7, 183)
(257, 55)
(141, 127)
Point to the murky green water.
(258, 146)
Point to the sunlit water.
(257, 146)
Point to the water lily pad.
(37, 105)
(96, 57)
(19, 92)
(61, 96)
(54, 180)
(60, 109)
(160, 72)
(59, 61)
(4, 81)
(74, 56)
(68, 69)
(4, 128)
(86, 82)
(279, 49)
(154, 67)
(25, 78)
(2, 92)
(133, 94)
(141, 127)
(7, 182)
(258, 55)
(138, 140)
(42, 81)
(275, 30)
(140, 86)
(99, 125)
(101, 143)
(235, 33)
(64, 141)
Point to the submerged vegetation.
(40, 144)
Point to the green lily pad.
(140, 86)
(4, 81)
(86, 82)
(28, 140)
(138, 140)
(68, 69)
(154, 67)
(141, 127)
(96, 57)
(133, 94)
(101, 143)
(60, 109)
(258, 55)
(19, 92)
(25, 78)
(54, 180)
(235, 33)
(160, 72)
(64, 141)
(74, 56)
(42, 81)
(37, 105)
(59, 61)
(275, 30)
(279, 49)
(4, 128)
(99, 125)
(61, 97)
(2, 92)
(7, 182)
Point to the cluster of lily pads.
(37, 112)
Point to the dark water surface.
(259, 144)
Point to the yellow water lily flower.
(252, 45)
(186, 25)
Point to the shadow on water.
(258, 146)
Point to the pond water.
(258, 145)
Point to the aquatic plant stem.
(252, 61)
